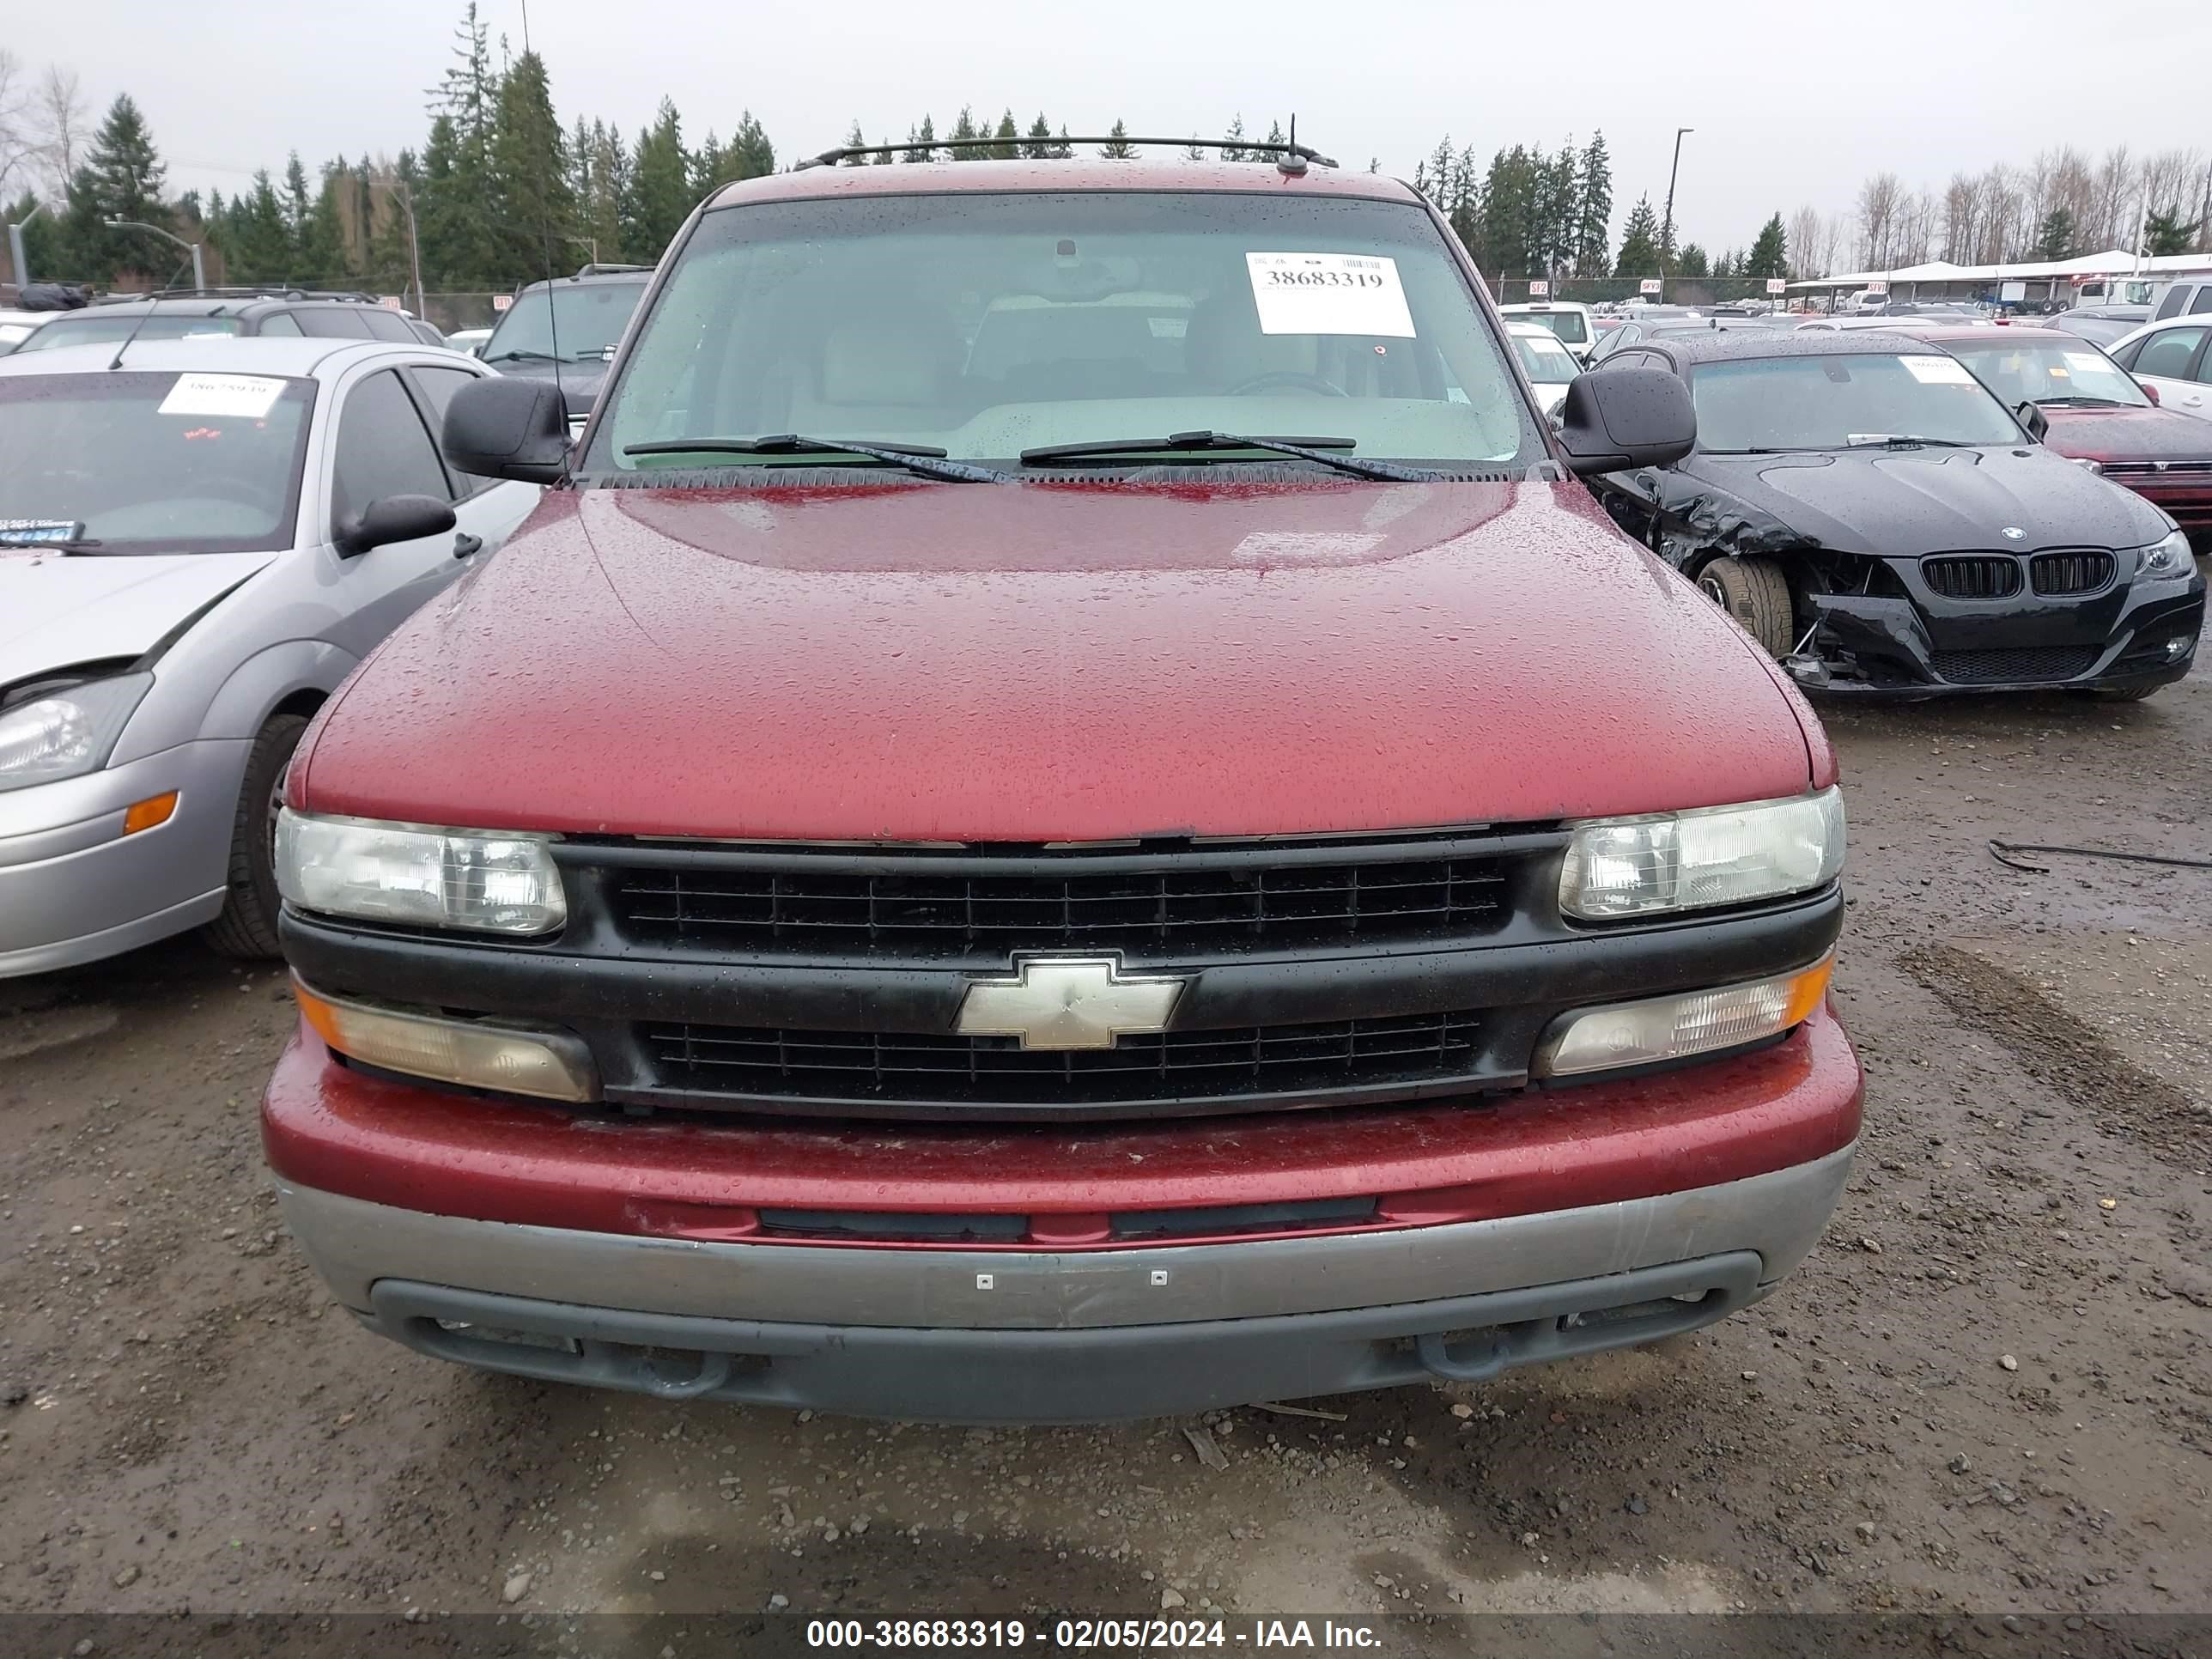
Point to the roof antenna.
(153, 305)
(1291, 162)
(545, 238)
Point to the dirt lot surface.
(1988, 1396)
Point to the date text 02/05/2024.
(1086, 1634)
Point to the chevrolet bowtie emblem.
(1068, 1002)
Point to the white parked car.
(1571, 323)
(1546, 359)
(195, 548)
(2171, 360)
(470, 340)
(18, 326)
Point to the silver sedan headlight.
(2165, 559)
(1669, 861)
(68, 732)
(487, 881)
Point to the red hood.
(2128, 434)
(1060, 662)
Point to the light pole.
(1667, 231)
(199, 263)
(16, 262)
(406, 197)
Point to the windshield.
(214, 459)
(89, 328)
(1545, 358)
(1569, 325)
(985, 325)
(2041, 373)
(574, 323)
(1828, 402)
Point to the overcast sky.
(1791, 103)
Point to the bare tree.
(2118, 194)
(1805, 243)
(1878, 203)
(2004, 206)
(58, 115)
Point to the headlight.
(1663, 1028)
(1668, 861)
(2170, 557)
(67, 733)
(494, 882)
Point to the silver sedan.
(199, 539)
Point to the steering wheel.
(1289, 377)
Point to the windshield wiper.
(1306, 449)
(1901, 441)
(2074, 399)
(72, 544)
(928, 461)
(523, 354)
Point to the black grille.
(932, 916)
(2154, 469)
(2083, 572)
(2030, 662)
(1982, 576)
(866, 1066)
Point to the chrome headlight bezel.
(1657, 864)
(2168, 557)
(68, 732)
(502, 882)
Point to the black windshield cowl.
(921, 459)
(1309, 449)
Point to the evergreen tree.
(854, 140)
(2165, 234)
(599, 211)
(120, 178)
(1008, 137)
(1038, 147)
(1233, 149)
(2055, 237)
(965, 127)
(751, 156)
(320, 259)
(1061, 150)
(1639, 242)
(1117, 147)
(1275, 136)
(1593, 209)
(533, 206)
(260, 246)
(1197, 152)
(660, 188)
(1691, 261)
(924, 138)
(708, 163)
(1770, 253)
(1506, 192)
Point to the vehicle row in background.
(230, 312)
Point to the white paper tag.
(248, 397)
(1168, 328)
(1328, 294)
(1937, 371)
(2084, 362)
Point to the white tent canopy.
(2112, 262)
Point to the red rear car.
(1069, 815)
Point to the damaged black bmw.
(1883, 525)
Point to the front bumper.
(549, 1243)
(74, 888)
(1868, 645)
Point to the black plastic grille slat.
(792, 1065)
(941, 916)
(2033, 662)
(1974, 576)
(2156, 468)
(2084, 571)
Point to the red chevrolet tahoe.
(1068, 812)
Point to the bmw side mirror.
(1617, 419)
(394, 519)
(498, 428)
(2032, 417)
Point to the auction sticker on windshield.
(1328, 294)
(39, 532)
(1937, 371)
(248, 397)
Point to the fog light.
(511, 1060)
(1663, 1028)
(2178, 647)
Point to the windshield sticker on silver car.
(1937, 371)
(1328, 294)
(247, 397)
(39, 532)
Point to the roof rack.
(597, 270)
(250, 291)
(1290, 157)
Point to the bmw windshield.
(1835, 401)
(981, 326)
(151, 462)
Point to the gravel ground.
(1989, 1395)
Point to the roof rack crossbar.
(244, 291)
(1292, 157)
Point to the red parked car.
(1067, 814)
(2093, 410)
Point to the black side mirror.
(394, 519)
(2032, 417)
(498, 428)
(1619, 419)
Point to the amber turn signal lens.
(1663, 1028)
(145, 814)
(508, 1059)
